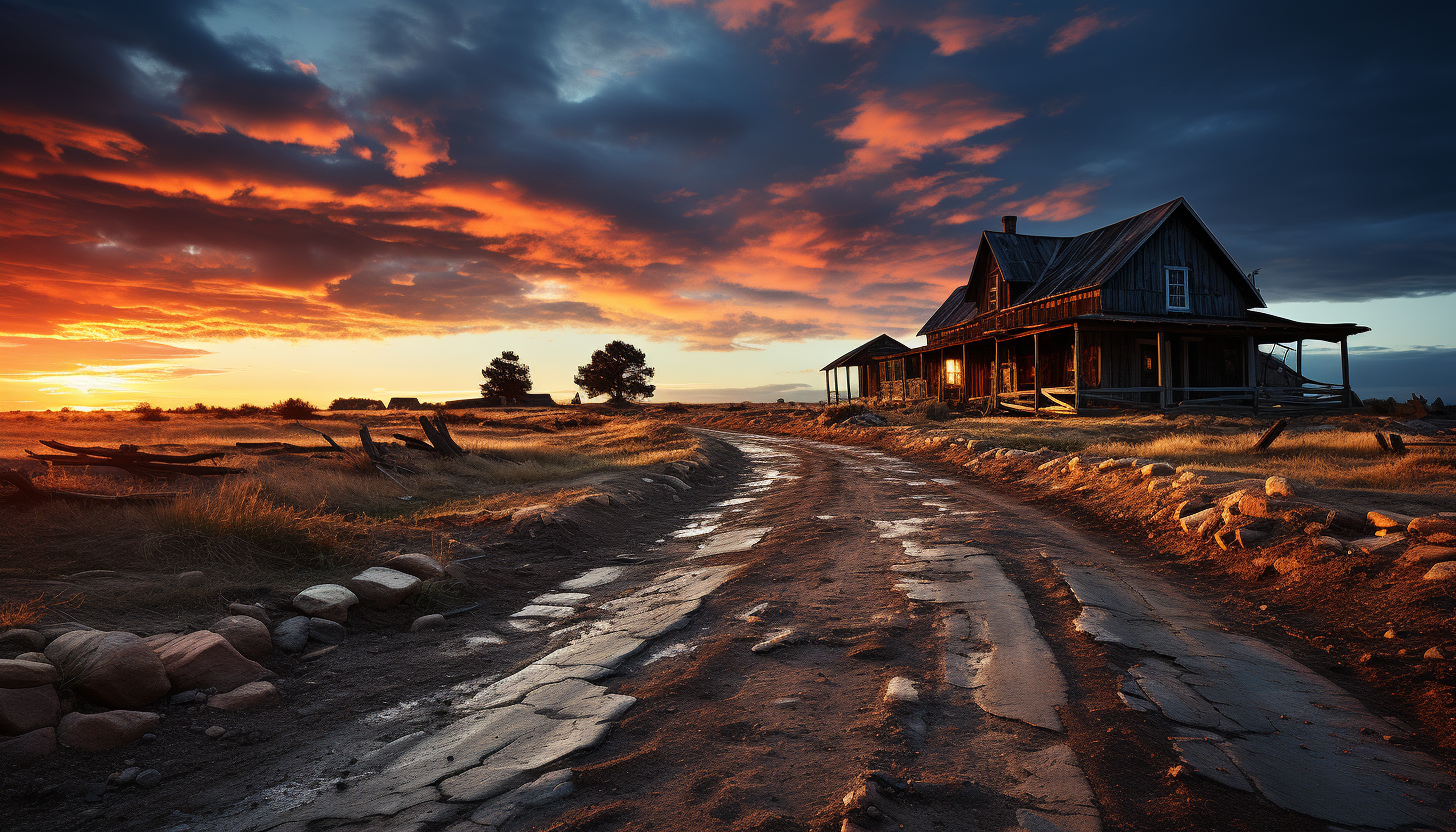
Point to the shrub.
(293, 409)
(352, 403)
(936, 411)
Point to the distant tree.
(293, 409)
(354, 403)
(506, 378)
(619, 370)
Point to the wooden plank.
(1270, 435)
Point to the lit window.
(953, 371)
(1177, 288)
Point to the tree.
(619, 370)
(506, 377)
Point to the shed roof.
(866, 352)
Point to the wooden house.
(1147, 312)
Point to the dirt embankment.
(1341, 576)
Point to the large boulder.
(23, 710)
(246, 634)
(204, 659)
(17, 673)
(100, 732)
(28, 747)
(116, 669)
(421, 566)
(250, 695)
(251, 611)
(22, 640)
(329, 601)
(291, 636)
(1431, 525)
(326, 631)
(382, 588)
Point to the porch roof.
(867, 352)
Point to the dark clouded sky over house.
(247, 200)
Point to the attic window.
(1177, 288)
(991, 296)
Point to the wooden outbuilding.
(1147, 312)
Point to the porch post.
(1253, 372)
(1162, 376)
(1299, 358)
(1345, 371)
(836, 385)
(1036, 374)
(827, 402)
(965, 375)
(995, 375)
(1076, 367)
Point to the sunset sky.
(246, 201)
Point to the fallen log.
(279, 448)
(28, 492)
(439, 435)
(417, 444)
(376, 454)
(1270, 435)
(136, 467)
(131, 452)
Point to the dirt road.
(850, 641)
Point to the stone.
(1278, 487)
(291, 636)
(434, 621)
(116, 669)
(901, 689)
(15, 673)
(27, 747)
(1381, 519)
(124, 778)
(1433, 654)
(149, 779)
(1157, 469)
(777, 640)
(549, 787)
(191, 579)
(419, 565)
(33, 657)
(20, 639)
(326, 631)
(675, 482)
(1431, 525)
(1443, 571)
(51, 632)
(23, 710)
(246, 634)
(329, 601)
(251, 611)
(1426, 553)
(104, 731)
(206, 660)
(381, 588)
(250, 695)
(215, 732)
(156, 641)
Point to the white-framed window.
(953, 371)
(1177, 288)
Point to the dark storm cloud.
(814, 170)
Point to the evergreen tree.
(506, 377)
(619, 370)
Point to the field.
(287, 520)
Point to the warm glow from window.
(952, 371)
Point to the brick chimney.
(1008, 224)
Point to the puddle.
(736, 501)
(544, 611)
(560, 599)
(692, 531)
(944, 481)
(595, 577)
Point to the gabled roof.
(1049, 266)
(866, 352)
(955, 310)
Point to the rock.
(1392, 634)
(1422, 526)
(777, 640)
(901, 689)
(329, 601)
(1426, 553)
(1285, 565)
(33, 657)
(675, 482)
(326, 631)
(246, 634)
(215, 731)
(434, 621)
(206, 660)
(381, 588)
(27, 747)
(51, 632)
(1157, 469)
(103, 731)
(250, 695)
(15, 673)
(22, 640)
(292, 635)
(421, 566)
(191, 579)
(116, 669)
(1278, 487)
(149, 779)
(1443, 571)
(501, 810)
(251, 611)
(186, 697)
(23, 710)
(1433, 654)
(1387, 519)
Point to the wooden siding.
(1140, 286)
(1027, 314)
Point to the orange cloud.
(956, 33)
(1057, 205)
(891, 128)
(930, 191)
(1080, 28)
(321, 131)
(415, 147)
(55, 133)
(738, 14)
(846, 20)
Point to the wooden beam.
(1252, 372)
(1076, 367)
(1162, 371)
(1345, 372)
(1299, 358)
(836, 385)
(1036, 373)
(827, 402)
(995, 374)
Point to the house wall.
(1140, 286)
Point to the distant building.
(404, 403)
(528, 400)
(1147, 312)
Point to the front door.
(1148, 362)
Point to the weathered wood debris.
(27, 492)
(131, 459)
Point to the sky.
(246, 201)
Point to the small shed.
(404, 403)
(857, 359)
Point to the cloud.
(1080, 28)
(889, 128)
